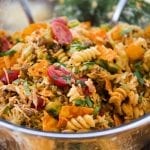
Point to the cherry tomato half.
(61, 33)
(5, 44)
(12, 75)
(60, 76)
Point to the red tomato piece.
(60, 20)
(5, 44)
(12, 75)
(60, 76)
(86, 91)
(39, 104)
(61, 33)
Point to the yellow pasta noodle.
(117, 97)
(55, 77)
(84, 55)
(146, 63)
(61, 56)
(81, 122)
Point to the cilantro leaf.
(89, 102)
(7, 53)
(139, 76)
(79, 102)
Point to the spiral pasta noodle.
(84, 55)
(146, 61)
(117, 97)
(133, 98)
(74, 94)
(61, 56)
(81, 122)
(131, 111)
(55, 77)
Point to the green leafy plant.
(100, 11)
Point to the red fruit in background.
(4, 44)
(61, 33)
(60, 76)
(12, 75)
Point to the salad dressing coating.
(64, 78)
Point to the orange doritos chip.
(68, 112)
(49, 123)
(33, 27)
(74, 111)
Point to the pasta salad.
(67, 76)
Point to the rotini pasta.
(103, 121)
(131, 112)
(81, 122)
(117, 97)
(107, 53)
(74, 93)
(146, 61)
(133, 98)
(54, 77)
(61, 56)
(85, 55)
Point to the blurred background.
(98, 12)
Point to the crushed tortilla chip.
(33, 27)
(68, 112)
(49, 123)
(39, 69)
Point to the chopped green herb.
(139, 76)
(102, 63)
(77, 46)
(125, 31)
(7, 53)
(26, 88)
(110, 67)
(88, 65)
(96, 110)
(73, 23)
(89, 102)
(79, 102)
(138, 65)
(138, 72)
